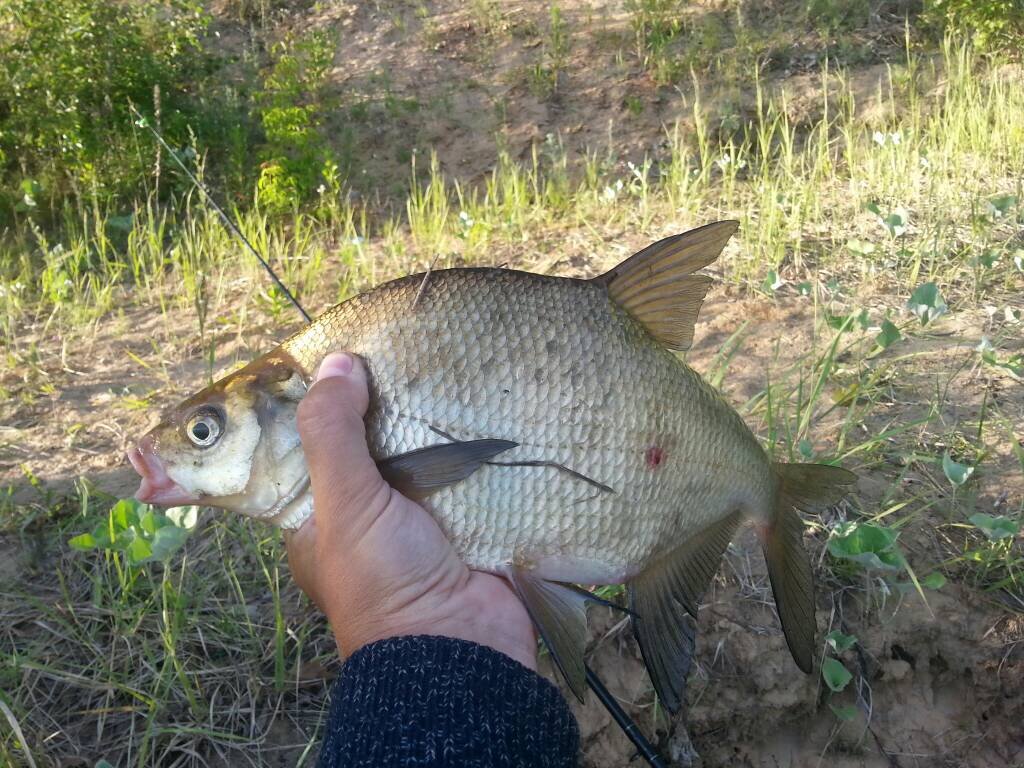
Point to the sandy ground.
(938, 683)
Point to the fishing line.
(626, 723)
(554, 465)
(142, 122)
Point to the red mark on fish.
(654, 457)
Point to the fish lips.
(156, 487)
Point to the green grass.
(214, 656)
(787, 185)
(151, 659)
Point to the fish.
(548, 426)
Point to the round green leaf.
(888, 335)
(839, 641)
(84, 541)
(956, 473)
(148, 522)
(124, 514)
(167, 541)
(997, 527)
(835, 675)
(927, 303)
(872, 546)
(139, 551)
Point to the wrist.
(467, 620)
(510, 641)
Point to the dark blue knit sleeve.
(437, 701)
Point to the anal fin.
(419, 473)
(663, 594)
(559, 613)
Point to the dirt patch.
(936, 689)
(465, 81)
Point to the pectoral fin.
(662, 595)
(419, 473)
(559, 613)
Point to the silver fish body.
(547, 427)
(555, 366)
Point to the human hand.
(376, 563)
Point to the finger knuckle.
(321, 406)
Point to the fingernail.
(335, 364)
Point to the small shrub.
(990, 24)
(656, 24)
(291, 109)
(68, 69)
(837, 15)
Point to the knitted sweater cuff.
(438, 701)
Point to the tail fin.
(811, 488)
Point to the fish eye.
(204, 428)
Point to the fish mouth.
(156, 487)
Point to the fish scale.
(555, 366)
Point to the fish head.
(234, 445)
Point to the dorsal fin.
(657, 285)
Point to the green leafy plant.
(991, 24)
(997, 561)
(1011, 364)
(895, 222)
(839, 642)
(544, 74)
(835, 674)
(869, 545)
(291, 111)
(999, 207)
(955, 472)
(772, 282)
(68, 70)
(997, 527)
(856, 319)
(836, 15)
(140, 532)
(926, 303)
(888, 335)
(874, 549)
(656, 24)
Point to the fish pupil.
(201, 430)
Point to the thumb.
(330, 422)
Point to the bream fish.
(549, 429)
